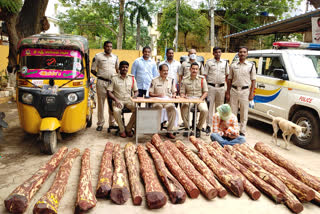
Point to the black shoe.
(198, 133)
(242, 134)
(185, 133)
(99, 128)
(208, 130)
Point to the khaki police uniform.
(216, 72)
(105, 66)
(122, 89)
(167, 87)
(241, 75)
(194, 88)
(184, 70)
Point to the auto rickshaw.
(53, 86)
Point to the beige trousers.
(117, 115)
(202, 107)
(101, 97)
(240, 97)
(171, 111)
(216, 98)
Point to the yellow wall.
(128, 55)
(4, 52)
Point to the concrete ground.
(21, 157)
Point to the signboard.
(315, 29)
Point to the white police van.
(288, 83)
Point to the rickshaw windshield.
(49, 63)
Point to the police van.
(288, 83)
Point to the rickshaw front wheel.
(49, 142)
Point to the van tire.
(305, 118)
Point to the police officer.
(216, 71)
(104, 65)
(194, 86)
(120, 90)
(241, 83)
(184, 70)
(164, 86)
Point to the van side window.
(271, 63)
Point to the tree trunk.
(134, 177)
(185, 41)
(18, 200)
(175, 169)
(29, 21)
(121, 24)
(13, 38)
(85, 198)
(303, 192)
(176, 192)
(138, 32)
(199, 180)
(49, 203)
(201, 167)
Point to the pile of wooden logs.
(212, 171)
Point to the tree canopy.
(191, 21)
(99, 21)
(22, 19)
(242, 13)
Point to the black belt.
(242, 88)
(216, 85)
(100, 78)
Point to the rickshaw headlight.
(72, 97)
(27, 98)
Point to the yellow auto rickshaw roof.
(56, 41)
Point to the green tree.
(109, 14)
(22, 19)
(243, 13)
(191, 21)
(93, 20)
(139, 12)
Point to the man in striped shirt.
(225, 128)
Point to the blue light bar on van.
(300, 45)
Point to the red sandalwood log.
(85, 197)
(290, 200)
(249, 188)
(303, 192)
(176, 192)
(202, 168)
(293, 169)
(173, 166)
(275, 194)
(105, 175)
(155, 195)
(119, 193)
(200, 181)
(49, 203)
(18, 200)
(230, 180)
(134, 177)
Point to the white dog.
(288, 128)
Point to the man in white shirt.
(173, 65)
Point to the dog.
(288, 128)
